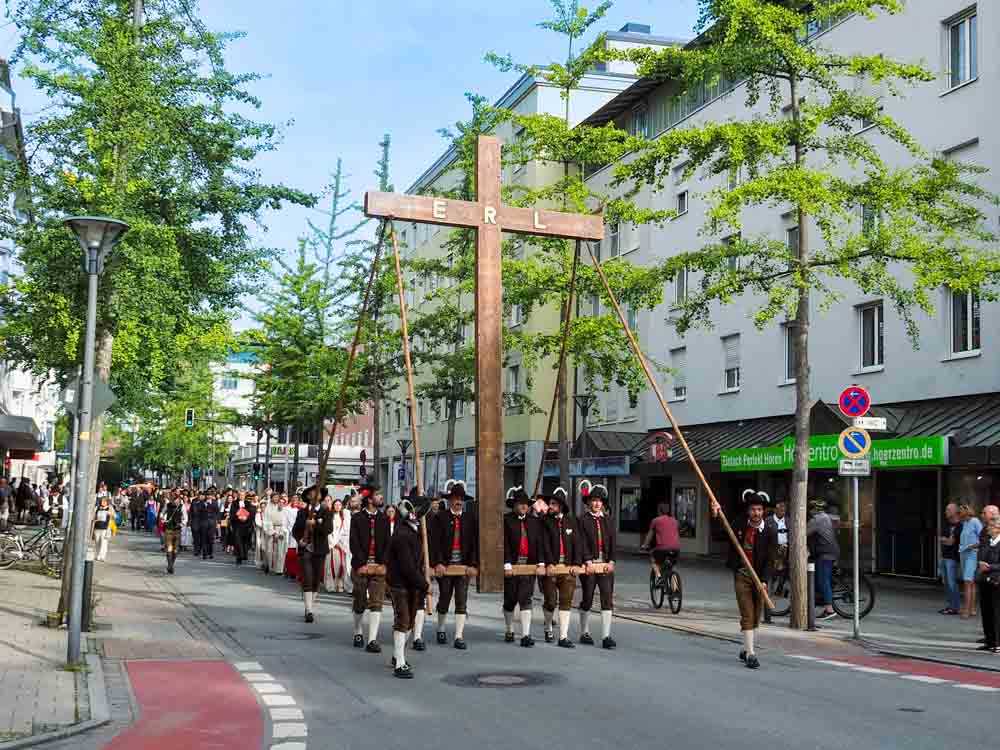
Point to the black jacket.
(571, 540)
(198, 514)
(760, 555)
(173, 516)
(234, 522)
(404, 559)
(512, 539)
(360, 535)
(587, 528)
(212, 512)
(988, 554)
(321, 531)
(441, 535)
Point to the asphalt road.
(658, 689)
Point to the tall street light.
(97, 236)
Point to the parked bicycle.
(668, 586)
(843, 593)
(46, 545)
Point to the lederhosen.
(599, 545)
(450, 552)
(558, 590)
(173, 517)
(369, 542)
(520, 549)
(312, 554)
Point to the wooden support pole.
(677, 432)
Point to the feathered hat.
(516, 495)
(753, 497)
(454, 487)
(560, 496)
(590, 491)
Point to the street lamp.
(97, 236)
(404, 446)
(584, 402)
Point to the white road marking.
(288, 729)
(803, 657)
(923, 678)
(873, 670)
(258, 677)
(278, 700)
(980, 688)
(289, 746)
(286, 714)
(248, 666)
(833, 663)
(265, 688)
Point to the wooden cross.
(489, 217)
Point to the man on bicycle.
(662, 540)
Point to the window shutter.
(678, 363)
(731, 346)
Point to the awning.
(607, 442)
(19, 433)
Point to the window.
(963, 49)
(681, 286)
(399, 421)
(230, 383)
(731, 362)
(869, 220)
(516, 315)
(734, 178)
(595, 305)
(678, 366)
(421, 414)
(459, 409)
(790, 350)
(513, 388)
(733, 260)
(682, 202)
(792, 239)
(872, 327)
(610, 241)
(965, 324)
(611, 405)
(632, 316)
(633, 404)
(640, 122)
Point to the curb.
(99, 712)
(933, 659)
(678, 628)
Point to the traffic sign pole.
(857, 559)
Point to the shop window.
(628, 510)
(965, 322)
(872, 335)
(686, 511)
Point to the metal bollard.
(88, 592)
(811, 604)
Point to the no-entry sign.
(854, 402)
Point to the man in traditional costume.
(562, 551)
(369, 542)
(312, 533)
(758, 541)
(173, 522)
(405, 564)
(597, 548)
(453, 539)
(522, 546)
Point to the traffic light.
(256, 472)
(189, 418)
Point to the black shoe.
(752, 662)
(442, 638)
(527, 641)
(211, 557)
(549, 636)
(508, 637)
(404, 672)
(393, 662)
(170, 571)
(586, 639)
(373, 648)
(419, 645)
(986, 647)
(981, 640)
(359, 642)
(460, 644)
(743, 656)
(608, 643)
(566, 643)
(309, 617)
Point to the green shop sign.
(824, 454)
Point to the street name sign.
(854, 467)
(854, 401)
(872, 424)
(854, 442)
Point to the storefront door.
(906, 520)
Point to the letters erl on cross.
(489, 217)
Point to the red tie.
(456, 538)
(600, 538)
(522, 550)
(562, 544)
(371, 537)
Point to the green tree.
(142, 126)
(924, 224)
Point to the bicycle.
(46, 543)
(843, 594)
(668, 586)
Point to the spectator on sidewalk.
(6, 500)
(989, 582)
(968, 544)
(825, 551)
(102, 528)
(950, 545)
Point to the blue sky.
(343, 73)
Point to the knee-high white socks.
(357, 623)
(584, 622)
(418, 625)
(508, 618)
(399, 647)
(547, 618)
(374, 618)
(460, 626)
(525, 622)
(307, 598)
(563, 624)
(441, 620)
(748, 641)
(606, 623)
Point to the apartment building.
(731, 387)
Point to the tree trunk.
(797, 549)
(449, 444)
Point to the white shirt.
(782, 529)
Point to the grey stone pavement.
(665, 684)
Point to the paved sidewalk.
(37, 694)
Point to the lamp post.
(404, 446)
(97, 235)
(584, 402)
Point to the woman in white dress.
(276, 530)
(338, 562)
(186, 536)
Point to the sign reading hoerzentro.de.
(931, 450)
